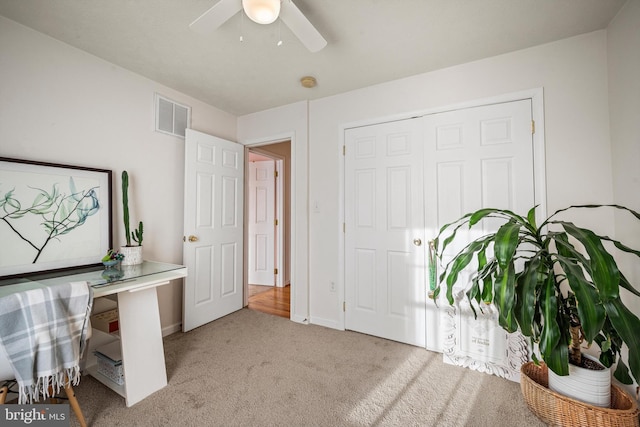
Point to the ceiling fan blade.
(213, 18)
(301, 27)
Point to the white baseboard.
(299, 319)
(327, 323)
(168, 330)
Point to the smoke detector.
(308, 81)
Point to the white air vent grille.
(172, 118)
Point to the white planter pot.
(586, 385)
(132, 255)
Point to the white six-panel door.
(403, 181)
(213, 228)
(384, 250)
(261, 223)
(479, 157)
(475, 158)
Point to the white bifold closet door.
(403, 181)
(384, 216)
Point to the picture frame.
(479, 342)
(52, 216)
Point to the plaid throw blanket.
(42, 332)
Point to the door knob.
(193, 238)
(417, 242)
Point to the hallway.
(270, 299)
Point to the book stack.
(110, 362)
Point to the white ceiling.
(369, 41)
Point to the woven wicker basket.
(558, 410)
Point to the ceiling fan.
(262, 12)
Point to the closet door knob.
(193, 238)
(417, 242)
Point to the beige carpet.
(253, 369)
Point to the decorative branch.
(60, 213)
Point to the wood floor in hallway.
(270, 300)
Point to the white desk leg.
(144, 367)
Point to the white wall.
(61, 105)
(624, 106)
(623, 48)
(281, 124)
(573, 73)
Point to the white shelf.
(120, 389)
(100, 305)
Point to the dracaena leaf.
(459, 263)
(631, 211)
(534, 357)
(627, 325)
(628, 286)
(504, 298)
(484, 275)
(550, 335)
(458, 223)
(474, 291)
(622, 373)
(608, 353)
(557, 358)
(621, 246)
(506, 242)
(566, 249)
(479, 215)
(487, 290)
(531, 216)
(604, 271)
(590, 309)
(527, 288)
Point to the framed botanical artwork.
(52, 216)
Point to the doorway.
(267, 237)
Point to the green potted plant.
(132, 253)
(555, 282)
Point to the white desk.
(140, 332)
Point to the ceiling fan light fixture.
(262, 11)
